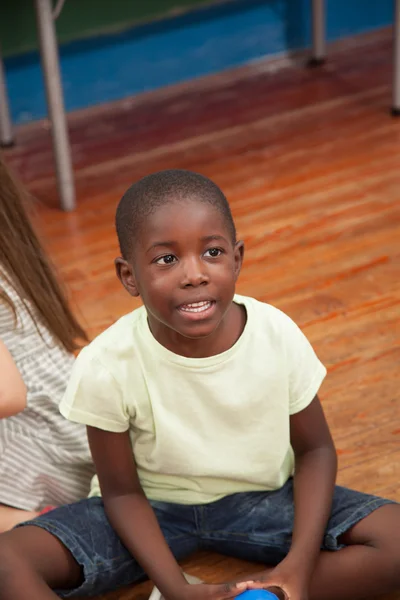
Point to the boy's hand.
(203, 591)
(283, 580)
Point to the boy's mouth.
(196, 307)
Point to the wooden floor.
(310, 161)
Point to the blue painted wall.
(204, 41)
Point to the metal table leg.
(318, 34)
(6, 133)
(55, 102)
(396, 60)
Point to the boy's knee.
(11, 567)
(387, 541)
(390, 568)
(16, 571)
(391, 559)
(8, 554)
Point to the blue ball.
(257, 595)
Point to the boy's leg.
(32, 561)
(368, 565)
(361, 550)
(75, 551)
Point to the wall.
(104, 57)
(80, 19)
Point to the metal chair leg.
(318, 34)
(396, 60)
(6, 133)
(55, 102)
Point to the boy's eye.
(166, 260)
(213, 252)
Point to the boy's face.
(185, 268)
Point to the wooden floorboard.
(309, 160)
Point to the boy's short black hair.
(157, 189)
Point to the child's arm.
(134, 521)
(129, 510)
(12, 386)
(314, 481)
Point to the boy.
(200, 406)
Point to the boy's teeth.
(196, 306)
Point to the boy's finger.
(257, 585)
(270, 586)
(230, 590)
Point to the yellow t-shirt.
(201, 428)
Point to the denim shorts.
(255, 526)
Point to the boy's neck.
(224, 337)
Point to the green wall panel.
(80, 18)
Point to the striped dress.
(44, 459)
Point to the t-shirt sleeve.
(93, 396)
(305, 371)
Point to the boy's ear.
(125, 275)
(239, 253)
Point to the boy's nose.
(194, 273)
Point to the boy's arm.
(12, 386)
(134, 521)
(314, 482)
(130, 512)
